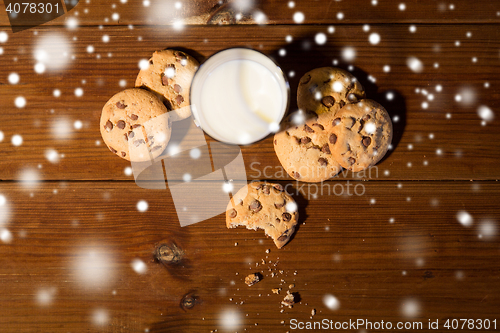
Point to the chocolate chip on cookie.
(256, 206)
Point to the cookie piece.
(289, 299)
(362, 133)
(252, 279)
(135, 125)
(267, 206)
(328, 89)
(304, 148)
(169, 74)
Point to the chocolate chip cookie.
(267, 206)
(304, 147)
(361, 133)
(169, 74)
(328, 89)
(135, 125)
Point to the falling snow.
(20, 102)
(331, 302)
(93, 267)
(5, 235)
(415, 64)
(13, 78)
(128, 171)
(374, 38)
(142, 206)
(227, 187)
(17, 140)
(143, 64)
(53, 51)
(45, 296)
(487, 229)
(72, 23)
(61, 128)
(139, 266)
(348, 54)
(464, 218)
(29, 177)
(52, 155)
(320, 38)
(485, 113)
(230, 319)
(291, 207)
(100, 317)
(3, 37)
(298, 17)
(410, 308)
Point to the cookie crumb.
(282, 322)
(236, 244)
(291, 286)
(252, 279)
(276, 290)
(268, 250)
(313, 312)
(289, 299)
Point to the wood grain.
(135, 12)
(468, 149)
(77, 255)
(71, 255)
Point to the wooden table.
(420, 244)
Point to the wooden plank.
(468, 149)
(279, 12)
(68, 263)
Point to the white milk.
(239, 100)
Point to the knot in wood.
(169, 253)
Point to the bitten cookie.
(135, 125)
(169, 74)
(361, 133)
(304, 147)
(265, 206)
(328, 89)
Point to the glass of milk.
(239, 96)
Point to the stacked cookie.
(136, 123)
(335, 128)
